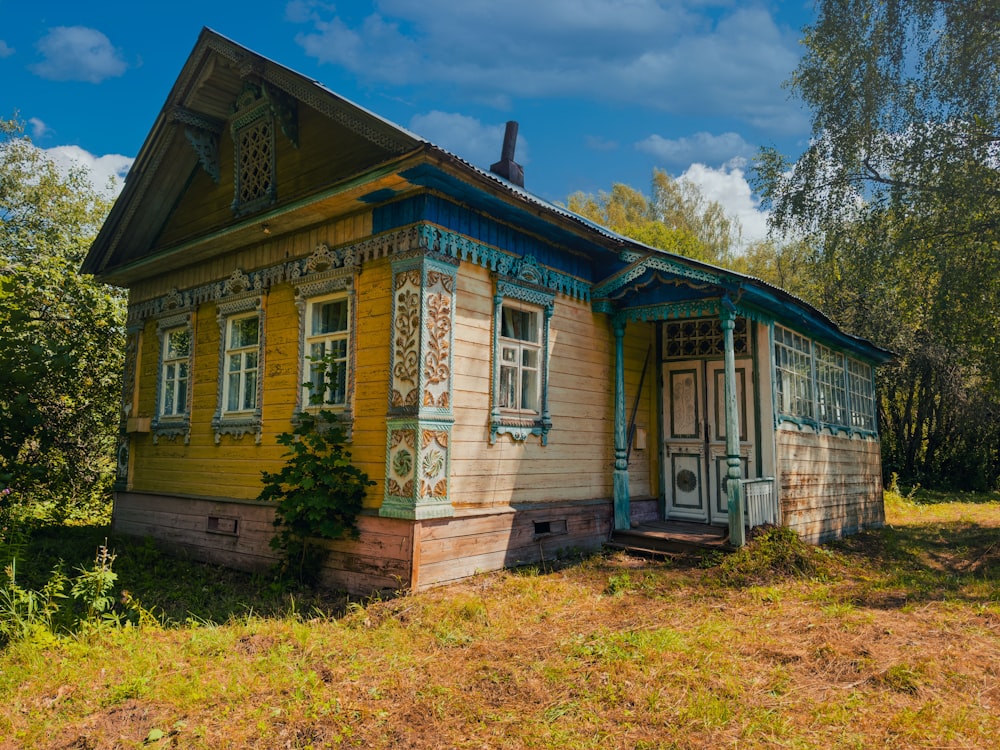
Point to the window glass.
(326, 350)
(174, 375)
(242, 358)
(859, 377)
(793, 373)
(520, 350)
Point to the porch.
(671, 536)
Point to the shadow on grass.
(175, 589)
(920, 562)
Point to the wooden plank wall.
(830, 485)
(578, 462)
(379, 559)
(327, 152)
(232, 468)
(261, 255)
(449, 549)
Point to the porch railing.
(761, 501)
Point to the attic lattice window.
(256, 165)
(253, 128)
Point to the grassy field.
(888, 639)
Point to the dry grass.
(893, 640)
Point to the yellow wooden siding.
(374, 303)
(261, 255)
(578, 462)
(233, 467)
(830, 485)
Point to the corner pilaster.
(420, 417)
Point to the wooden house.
(516, 380)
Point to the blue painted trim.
(622, 500)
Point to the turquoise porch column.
(734, 474)
(623, 518)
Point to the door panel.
(684, 446)
(695, 437)
(717, 433)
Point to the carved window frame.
(177, 424)
(338, 283)
(239, 423)
(519, 425)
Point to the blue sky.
(604, 90)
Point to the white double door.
(694, 429)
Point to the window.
(253, 127)
(520, 352)
(793, 372)
(817, 385)
(175, 372)
(521, 317)
(831, 387)
(326, 350)
(859, 379)
(242, 361)
(173, 376)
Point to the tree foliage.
(61, 335)
(675, 217)
(901, 190)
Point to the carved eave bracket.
(202, 132)
(286, 112)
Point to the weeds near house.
(773, 552)
(887, 639)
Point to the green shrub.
(318, 493)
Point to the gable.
(185, 184)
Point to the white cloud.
(597, 143)
(102, 169)
(38, 128)
(701, 147)
(5, 49)
(78, 53)
(467, 137)
(676, 57)
(729, 187)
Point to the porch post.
(622, 505)
(734, 490)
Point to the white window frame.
(310, 340)
(177, 422)
(332, 283)
(519, 346)
(795, 384)
(520, 422)
(239, 305)
(175, 375)
(831, 387)
(861, 390)
(819, 386)
(243, 351)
